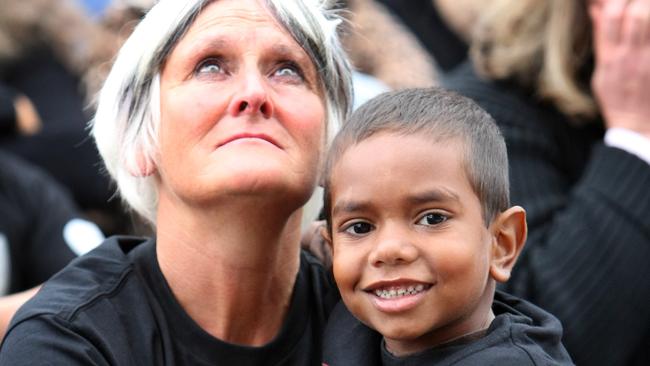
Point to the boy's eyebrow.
(434, 195)
(349, 206)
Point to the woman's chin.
(260, 184)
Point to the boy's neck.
(471, 337)
(417, 347)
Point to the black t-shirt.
(114, 307)
(521, 334)
(40, 228)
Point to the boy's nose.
(393, 250)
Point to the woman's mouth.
(250, 137)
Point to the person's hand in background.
(28, 122)
(621, 80)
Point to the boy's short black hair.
(440, 115)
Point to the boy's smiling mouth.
(390, 292)
(398, 295)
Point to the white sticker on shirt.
(5, 265)
(82, 236)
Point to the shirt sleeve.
(630, 141)
(47, 341)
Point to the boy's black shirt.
(521, 334)
(114, 307)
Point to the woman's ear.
(144, 166)
(509, 232)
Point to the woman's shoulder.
(100, 273)
(95, 308)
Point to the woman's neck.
(232, 269)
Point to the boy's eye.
(432, 218)
(358, 228)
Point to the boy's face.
(411, 250)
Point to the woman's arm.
(9, 305)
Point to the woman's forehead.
(233, 21)
(233, 13)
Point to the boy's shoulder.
(528, 328)
(521, 334)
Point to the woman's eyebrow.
(288, 51)
(209, 44)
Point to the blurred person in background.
(381, 46)
(42, 119)
(568, 83)
(41, 230)
(44, 61)
(443, 27)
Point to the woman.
(212, 122)
(579, 160)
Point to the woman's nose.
(251, 97)
(393, 249)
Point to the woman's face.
(241, 110)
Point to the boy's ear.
(509, 232)
(325, 234)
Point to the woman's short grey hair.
(126, 124)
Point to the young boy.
(418, 216)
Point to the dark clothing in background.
(62, 146)
(114, 307)
(33, 213)
(521, 334)
(7, 111)
(422, 18)
(587, 254)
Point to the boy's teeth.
(392, 292)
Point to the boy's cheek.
(347, 266)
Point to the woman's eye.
(432, 218)
(290, 71)
(286, 71)
(358, 228)
(210, 67)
